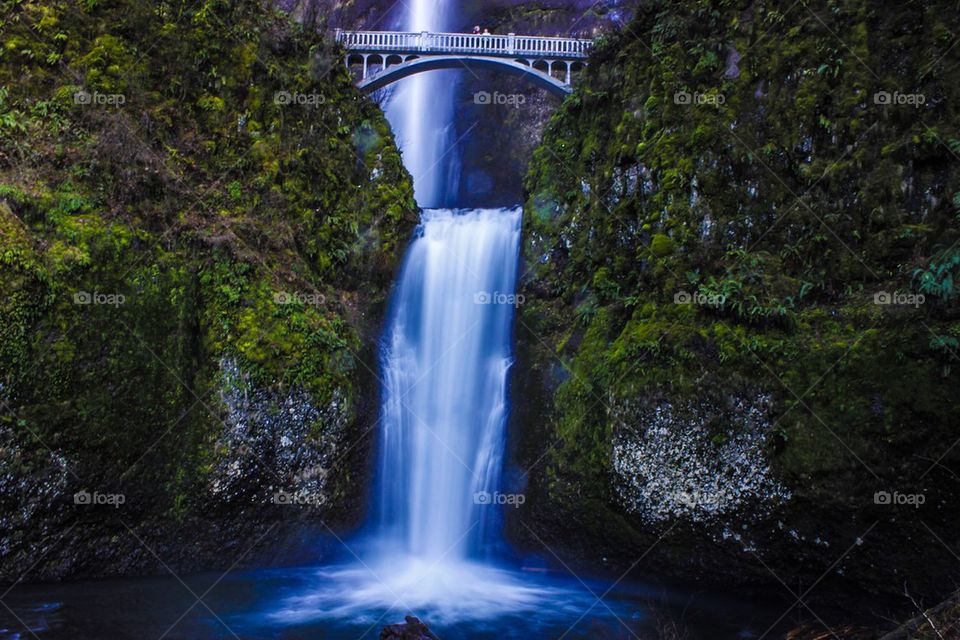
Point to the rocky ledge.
(412, 629)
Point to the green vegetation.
(155, 163)
(780, 168)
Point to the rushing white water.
(445, 357)
(446, 353)
(441, 591)
(421, 113)
(447, 347)
(445, 365)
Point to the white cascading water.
(445, 359)
(447, 355)
(421, 113)
(447, 349)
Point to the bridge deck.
(509, 45)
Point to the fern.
(940, 276)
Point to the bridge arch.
(387, 56)
(413, 66)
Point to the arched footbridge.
(384, 57)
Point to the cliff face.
(199, 221)
(580, 18)
(741, 323)
(498, 137)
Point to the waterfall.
(445, 355)
(446, 350)
(421, 113)
(445, 363)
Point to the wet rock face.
(273, 474)
(28, 485)
(354, 14)
(498, 138)
(695, 460)
(275, 446)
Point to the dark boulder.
(412, 629)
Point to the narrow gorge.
(506, 319)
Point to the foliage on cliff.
(730, 199)
(180, 183)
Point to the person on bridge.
(486, 32)
(476, 30)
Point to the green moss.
(198, 199)
(661, 245)
(789, 197)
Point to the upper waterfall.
(421, 113)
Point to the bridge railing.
(428, 42)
